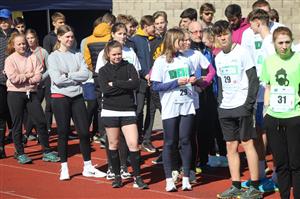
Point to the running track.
(40, 180)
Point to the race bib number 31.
(282, 98)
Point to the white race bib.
(184, 94)
(230, 78)
(282, 98)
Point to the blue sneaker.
(246, 184)
(268, 185)
(24, 159)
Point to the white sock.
(64, 165)
(87, 163)
(261, 169)
(185, 181)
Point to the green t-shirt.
(283, 76)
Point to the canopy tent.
(31, 5)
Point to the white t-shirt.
(253, 43)
(127, 53)
(231, 68)
(178, 101)
(198, 60)
(296, 48)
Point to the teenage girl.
(118, 79)
(24, 74)
(42, 56)
(119, 33)
(280, 74)
(172, 78)
(67, 71)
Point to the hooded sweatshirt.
(141, 41)
(101, 34)
(238, 33)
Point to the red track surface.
(40, 179)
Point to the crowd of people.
(217, 85)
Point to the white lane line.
(94, 180)
(11, 193)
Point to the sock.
(135, 162)
(261, 168)
(115, 161)
(185, 181)
(254, 183)
(64, 165)
(236, 184)
(87, 163)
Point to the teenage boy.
(259, 23)
(141, 39)
(187, 16)
(238, 85)
(5, 32)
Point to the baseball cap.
(5, 13)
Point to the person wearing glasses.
(206, 12)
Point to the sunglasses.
(208, 13)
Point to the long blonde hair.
(60, 32)
(172, 35)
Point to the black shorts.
(238, 128)
(111, 122)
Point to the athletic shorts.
(111, 122)
(238, 128)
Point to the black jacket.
(120, 96)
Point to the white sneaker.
(170, 185)
(223, 161)
(109, 174)
(91, 171)
(64, 174)
(124, 173)
(186, 186)
(175, 176)
(213, 161)
(192, 178)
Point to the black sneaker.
(251, 193)
(232, 192)
(117, 183)
(148, 147)
(2, 152)
(139, 183)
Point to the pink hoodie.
(23, 72)
(238, 33)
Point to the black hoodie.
(120, 96)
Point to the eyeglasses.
(208, 13)
(196, 31)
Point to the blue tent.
(31, 5)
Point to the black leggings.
(4, 113)
(92, 110)
(17, 103)
(284, 139)
(177, 130)
(63, 109)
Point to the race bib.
(230, 78)
(184, 93)
(282, 98)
